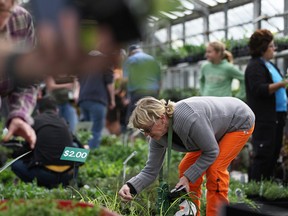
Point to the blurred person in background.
(115, 122)
(17, 29)
(44, 163)
(267, 97)
(143, 75)
(218, 73)
(116, 118)
(59, 47)
(95, 96)
(66, 95)
(60, 41)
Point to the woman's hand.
(183, 181)
(285, 82)
(18, 127)
(124, 193)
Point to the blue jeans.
(68, 112)
(96, 113)
(43, 176)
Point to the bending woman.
(212, 130)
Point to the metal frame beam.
(256, 14)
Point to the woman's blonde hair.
(228, 56)
(218, 46)
(148, 110)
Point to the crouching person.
(43, 163)
(212, 130)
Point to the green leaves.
(267, 190)
(46, 207)
(84, 136)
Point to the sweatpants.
(217, 174)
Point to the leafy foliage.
(267, 190)
(179, 94)
(84, 136)
(45, 207)
(101, 177)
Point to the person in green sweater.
(218, 73)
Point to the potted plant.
(267, 192)
(281, 43)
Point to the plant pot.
(281, 203)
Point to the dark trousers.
(43, 176)
(267, 140)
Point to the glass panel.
(161, 35)
(187, 4)
(240, 14)
(216, 21)
(195, 40)
(269, 7)
(210, 2)
(275, 24)
(217, 35)
(240, 32)
(177, 32)
(194, 27)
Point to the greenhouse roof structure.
(199, 21)
(190, 9)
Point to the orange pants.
(217, 174)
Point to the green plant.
(110, 140)
(168, 56)
(101, 177)
(45, 207)
(281, 43)
(177, 94)
(252, 188)
(274, 191)
(268, 190)
(84, 136)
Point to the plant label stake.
(125, 162)
(76, 155)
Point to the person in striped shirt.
(16, 28)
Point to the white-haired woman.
(212, 130)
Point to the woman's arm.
(52, 85)
(152, 168)
(202, 134)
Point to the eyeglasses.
(146, 130)
(272, 46)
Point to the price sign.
(75, 154)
